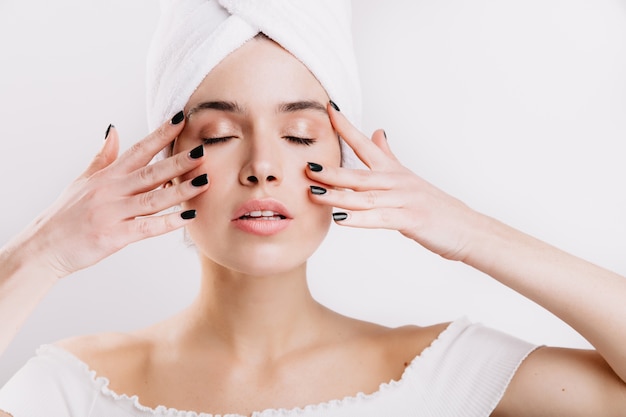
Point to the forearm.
(589, 298)
(24, 281)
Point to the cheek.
(214, 164)
(177, 149)
(220, 184)
(327, 153)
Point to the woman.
(257, 163)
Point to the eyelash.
(293, 139)
(301, 141)
(213, 141)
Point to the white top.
(464, 372)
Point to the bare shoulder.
(418, 335)
(367, 354)
(560, 381)
(410, 341)
(398, 345)
(120, 357)
(98, 348)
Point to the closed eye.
(301, 141)
(293, 139)
(213, 141)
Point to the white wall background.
(517, 107)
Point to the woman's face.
(261, 116)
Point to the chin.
(261, 260)
(262, 255)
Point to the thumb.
(108, 153)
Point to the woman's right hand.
(114, 203)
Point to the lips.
(262, 217)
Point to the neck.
(255, 315)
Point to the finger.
(360, 200)
(354, 179)
(142, 152)
(152, 202)
(146, 227)
(108, 153)
(362, 146)
(386, 218)
(154, 175)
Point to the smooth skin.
(255, 338)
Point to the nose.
(253, 179)
(263, 164)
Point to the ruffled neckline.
(131, 403)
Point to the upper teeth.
(261, 213)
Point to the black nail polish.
(196, 152)
(188, 214)
(314, 167)
(178, 117)
(318, 190)
(335, 106)
(200, 180)
(106, 134)
(340, 216)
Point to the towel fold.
(193, 36)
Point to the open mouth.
(262, 215)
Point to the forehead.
(259, 76)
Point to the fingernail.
(106, 134)
(314, 167)
(196, 152)
(318, 190)
(335, 106)
(340, 216)
(178, 117)
(200, 180)
(188, 214)
(385, 133)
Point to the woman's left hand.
(391, 196)
(589, 298)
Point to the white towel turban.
(193, 36)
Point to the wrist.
(29, 256)
(484, 238)
(470, 234)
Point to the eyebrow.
(301, 105)
(226, 106)
(233, 107)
